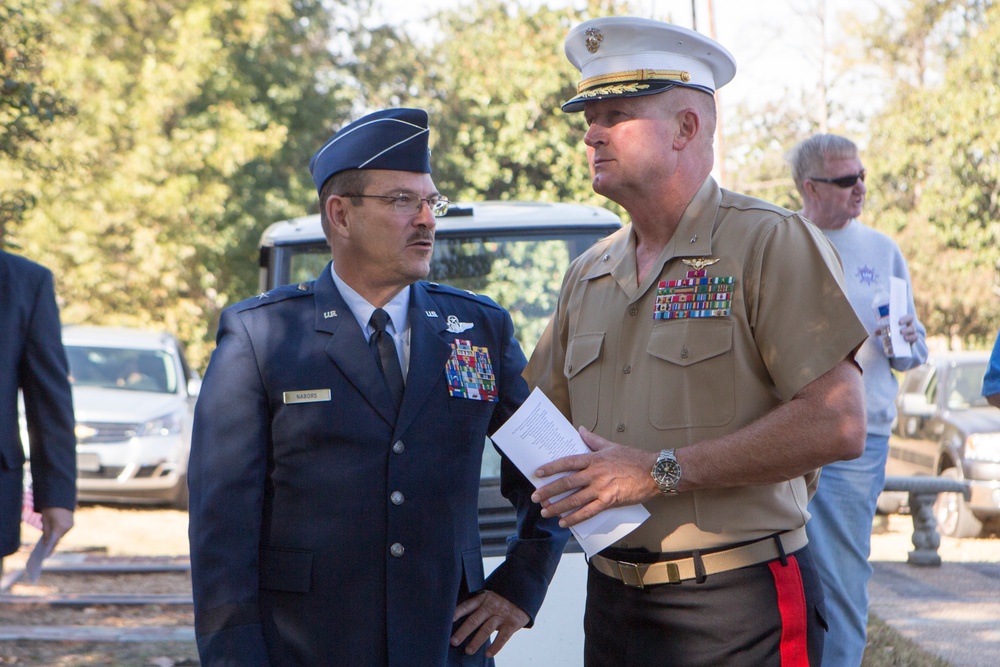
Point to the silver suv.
(133, 397)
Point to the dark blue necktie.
(384, 351)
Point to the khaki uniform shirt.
(610, 365)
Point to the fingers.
(554, 489)
(565, 464)
(488, 613)
(579, 461)
(594, 441)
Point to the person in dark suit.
(33, 360)
(333, 512)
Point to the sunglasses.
(843, 181)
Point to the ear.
(808, 189)
(336, 212)
(688, 126)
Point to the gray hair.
(808, 157)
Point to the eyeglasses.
(411, 203)
(843, 181)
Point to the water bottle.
(880, 306)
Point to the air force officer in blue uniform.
(333, 522)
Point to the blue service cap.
(393, 139)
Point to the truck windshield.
(521, 271)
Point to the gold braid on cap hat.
(635, 75)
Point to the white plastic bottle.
(880, 306)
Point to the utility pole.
(720, 140)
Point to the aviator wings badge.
(700, 263)
(454, 326)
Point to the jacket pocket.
(692, 382)
(472, 566)
(584, 376)
(288, 570)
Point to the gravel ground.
(138, 531)
(161, 532)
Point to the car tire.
(953, 515)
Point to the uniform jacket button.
(397, 498)
(396, 550)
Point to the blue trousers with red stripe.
(766, 615)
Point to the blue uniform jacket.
(324, 532)
(32, 358)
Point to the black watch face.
(667, 472)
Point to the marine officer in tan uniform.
(706, 353)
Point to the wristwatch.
(666, 472)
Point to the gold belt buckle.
(630, 574)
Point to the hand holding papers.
(897, 308)
(537, 434)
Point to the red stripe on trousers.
(792, 607)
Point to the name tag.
(306, 396)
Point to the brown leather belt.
(640, 575)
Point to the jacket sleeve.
(48, 402)
(226, 477)
(534, 552)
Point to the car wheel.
(954, 517)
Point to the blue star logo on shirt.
(867, 275)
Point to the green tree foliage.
(28, 103)
(934, 157)
(497, 92)
(493, 76)
(757, 145)
(194, 122)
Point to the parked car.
(133, 396)
(944, 427)
(513, 252)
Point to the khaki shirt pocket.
(692, 380)
(584, 376)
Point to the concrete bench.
(923, 491)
